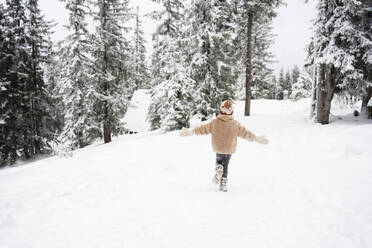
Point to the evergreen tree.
(212, 54)
(154, 113)
(262, 39)
(171, 100)
(3, 27)
(3, 86)
(74, 85)
(140, 74)
(38, 116)
(274, 87)
(281, 85)
(52, 76)
(288, 83)
(250, 13)
(2, 23)
(174, 97)
(310, 65)
(3, 63)
(363, 22)
(155, 61)
(111, 73)
(24, 104)
(302, 86)
(14, 83)
(169, 19)
(295, 74)
(342, 61)
(262, 58)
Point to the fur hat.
(227, 108)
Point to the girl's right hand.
(186, 132)
(262, 140)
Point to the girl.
(224, 130)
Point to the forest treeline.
(64, 95)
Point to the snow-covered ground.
(311, 187)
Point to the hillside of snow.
(310, 187)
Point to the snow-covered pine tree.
(111, 70)
(2, 23)
(155, 61)
(364, 23)
(281, 85)
(52, 73)
(319, 42)
(248, 14)
(3, 27)
(169, 19)
(288, 83)
(74, 85)
(174, 97)
(166, 31)
(3, 83)
(37, 119)
(240, 85)
(342, 60)
(171, 100)
(274, 83)
(310, 64)
(302, 86)
(140, 75)
(262, 58)
(212, 54)
(24, 108)
(14, 80)
(295, 74)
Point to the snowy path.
(135, 118)
(311, 187)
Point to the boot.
(217, 177)
(223, 184)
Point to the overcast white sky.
(292, 27)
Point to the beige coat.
(224, 130)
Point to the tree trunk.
(106, 126)
(313, 95)
(106, 132)
(248, 68)
(325, 91)
(80, 139)
(366, 97)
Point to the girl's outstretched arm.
(200, 130)
(248, 135)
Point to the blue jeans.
(223, 159)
